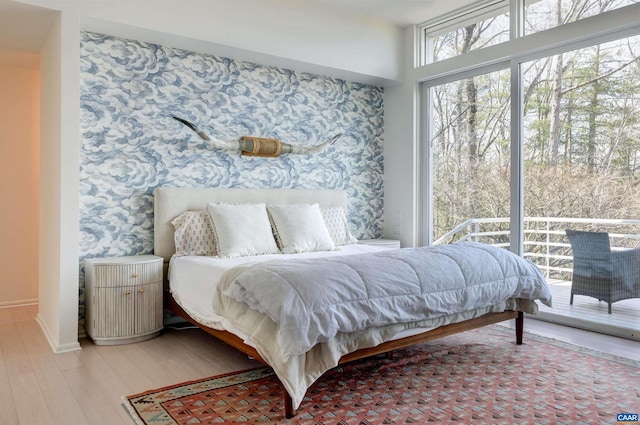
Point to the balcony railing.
(546, 244)
(545, 241)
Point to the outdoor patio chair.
(601, 273)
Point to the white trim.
(426, 177)
(469, 73)
(516, 19)
(18, 303)
(415, 198)
(55, 347)
(516, 187)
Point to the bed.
(256, 327)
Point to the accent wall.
(131, 145)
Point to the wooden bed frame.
(172, 201)
(385, 347)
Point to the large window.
(471, 151)
(540, 135)
(582, 147)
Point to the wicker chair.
(601, 273)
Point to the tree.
(582, 130)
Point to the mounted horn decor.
(259, 146)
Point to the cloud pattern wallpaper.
(131, 145)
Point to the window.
(483, 25)
(488, 23)
(544, 14)
(581, 109)
(470, 152)
(581, 148)
(538, 136)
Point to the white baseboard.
(55, 346)
(18, 303)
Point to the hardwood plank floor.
(85, 387)
(51, 379)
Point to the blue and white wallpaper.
(131, 145)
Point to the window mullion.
(516, 17)
(426, 232)
(516, 225)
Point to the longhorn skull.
(259, 146)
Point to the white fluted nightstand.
(123, 298)
(390, 243)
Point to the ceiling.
(24, 27)
(401, 13)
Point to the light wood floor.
(85, 386)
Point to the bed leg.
(288, 406)
(390, 355)
(519, 327)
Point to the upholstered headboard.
(170, 202)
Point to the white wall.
(303, 36)
(400, 153)
(59, 193)
(19, 177)
(49, 252)
(297, 35)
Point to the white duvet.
(194, 284)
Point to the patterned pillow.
(336, 220)
(193, 234)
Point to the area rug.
(477, 377)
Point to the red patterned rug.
(478, 377)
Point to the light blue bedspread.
(312, 300)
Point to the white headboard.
(170, 202)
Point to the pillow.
(336, 220)
(242, 230)
(193, 234)
(300, 228)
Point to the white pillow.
(193, 234)
(300, 228)
(242, 230)
(336, 220)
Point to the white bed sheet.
(193, 279)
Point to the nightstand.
(390, 243)
(123, 298)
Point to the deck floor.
(589, 313)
